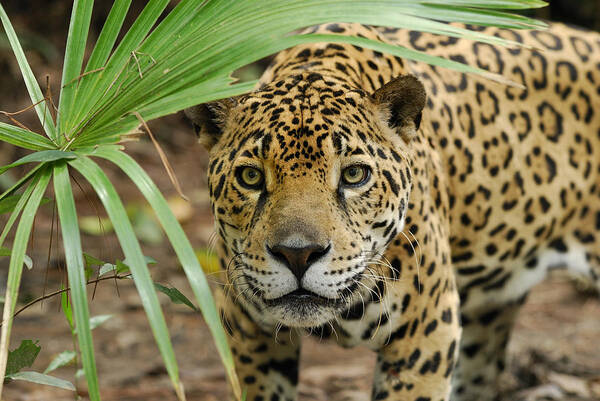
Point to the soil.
(554, 351)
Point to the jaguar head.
(309, 183)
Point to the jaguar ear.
(209, 120)
(401, 101)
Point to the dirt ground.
(554, 351)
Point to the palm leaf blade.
(131, 248)
(184, 252)
(24, 138)
(42, 108)
(76, 40)
(67, 215)
(15, 267)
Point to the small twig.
(77, 78)
(58, 292)
(49, 98)
(95, 206)
(49, 251)
(46, 99)
(16, 122)
(46, 103)
(163, 157)
(137, 62)
(14, 113)
(148, 55)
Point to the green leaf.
(175, 295)
(15, 268)
(89, 272)
(92, 261)
(158, 69)
(122, 267)
(17, 210)
(30, 174)
(100, 84)
(42, 108)
(40, 378)
(131, 248)
(76, 40)
(98, 320)
(28, 262)
(184, 252)
(106, 268)
(31, 41)
(100, 54)
(9, 203)
(22, 357)
(23, 138)
(401, 52)
(498, 4)
(67, 215)
(26, 259)
(108, 35)
(65, 305)
(202, 93)
(42, 156)
(62, 359)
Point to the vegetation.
(186, 59)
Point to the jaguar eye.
(355, 175)
(250, 177)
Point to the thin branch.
(58, 292)
(49, 251)
(10, 115)
(95, 206)
(163, 157)
(83, 75)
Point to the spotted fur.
(474, 194)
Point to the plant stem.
(58, 292)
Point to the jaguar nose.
(298, 260)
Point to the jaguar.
(387, 203)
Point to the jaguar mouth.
(303, 298)
(304, 308)
(300, 297)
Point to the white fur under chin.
(302, 317)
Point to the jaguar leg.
(418, 362)
(486, 332)
(266, 361)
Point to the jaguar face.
(308, 184)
